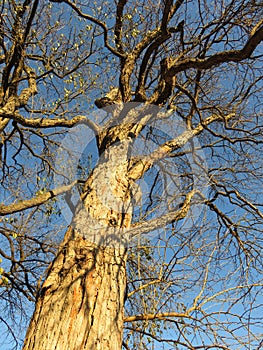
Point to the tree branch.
(130, 60)
(222, 57)
(143, 164)
(96, 21)
(149, 317)
(35, 201)
(118, 25)
(166, 14)
(50, 123)
(171, 216)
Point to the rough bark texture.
(80, 305)
(81, 302)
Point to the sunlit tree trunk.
(82, 299)
(81, 302)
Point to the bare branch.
(159, 316)
(118, 25)
(173, 215)
(143, 164)
(155, 38)
(219, 58)
(50, 123)
(34, 202)
(166, 14)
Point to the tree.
(164, 245)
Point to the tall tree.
(163, 203)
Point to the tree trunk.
(82, 299)
(81, 302)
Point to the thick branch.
(3, 123)
(149, 317)
(130, 63)
(118, 25)
(221, 57)
(31, 90)
(8, 111)
(166, 14)
(14, 59)
(140, 91)
(50, 123)
(171, 216)
(34, 202)
(143, 164)
(157, 36)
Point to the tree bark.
(82, 299)
(81, 302)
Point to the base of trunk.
(80, 305)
